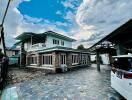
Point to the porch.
(57, 61)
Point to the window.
(63, 59)
(123, 63)
(75, 59)
(47, 59)
(55, 41)
(33, 59)
(84, 59)
(62, 43)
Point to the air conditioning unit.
(64, 68)
(42, 45)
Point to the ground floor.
(80, 84)
(57, 60)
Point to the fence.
(3, 72)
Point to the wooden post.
(69, 60)
(98, 60)
(22, 56)
(110, 59)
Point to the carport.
(118, 42)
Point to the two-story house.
(51, 51)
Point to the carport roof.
(122, 35)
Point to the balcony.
(37, 46)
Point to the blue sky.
(51, 10)
(42, 9)
(85, 20)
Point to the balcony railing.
(37, 46)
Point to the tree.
(81, 47)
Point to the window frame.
(75, 59)
(33, 60)
(47, 60)
(57, 42)
(63, 59)
(62, 43)
(84, 59)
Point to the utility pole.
(2, 28)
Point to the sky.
(87, 21)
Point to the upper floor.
(49, 39)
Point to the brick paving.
(80, 84)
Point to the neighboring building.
(14, 56)
(11, 52)
(104, 58)
(51, 51)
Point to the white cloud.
(61, 24)
(103, 16)
(31, 19)
(68, 4)
(83, 35)
(70, 16)
(58, 12)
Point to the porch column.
(57, 59)
(22, 56)
(110, 59)
(69, 60)
(39, 60)
(80, 58)
(98, 60)
(88, 60)
(54, 59)
(27, 60)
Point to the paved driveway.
(80, 84)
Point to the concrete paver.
(81, 84)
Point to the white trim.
(64, 59)
(34, 57)
(41, 67)
(47, 65)
(75, 59)
(123, 56)
(33, 64)
(75, 63)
